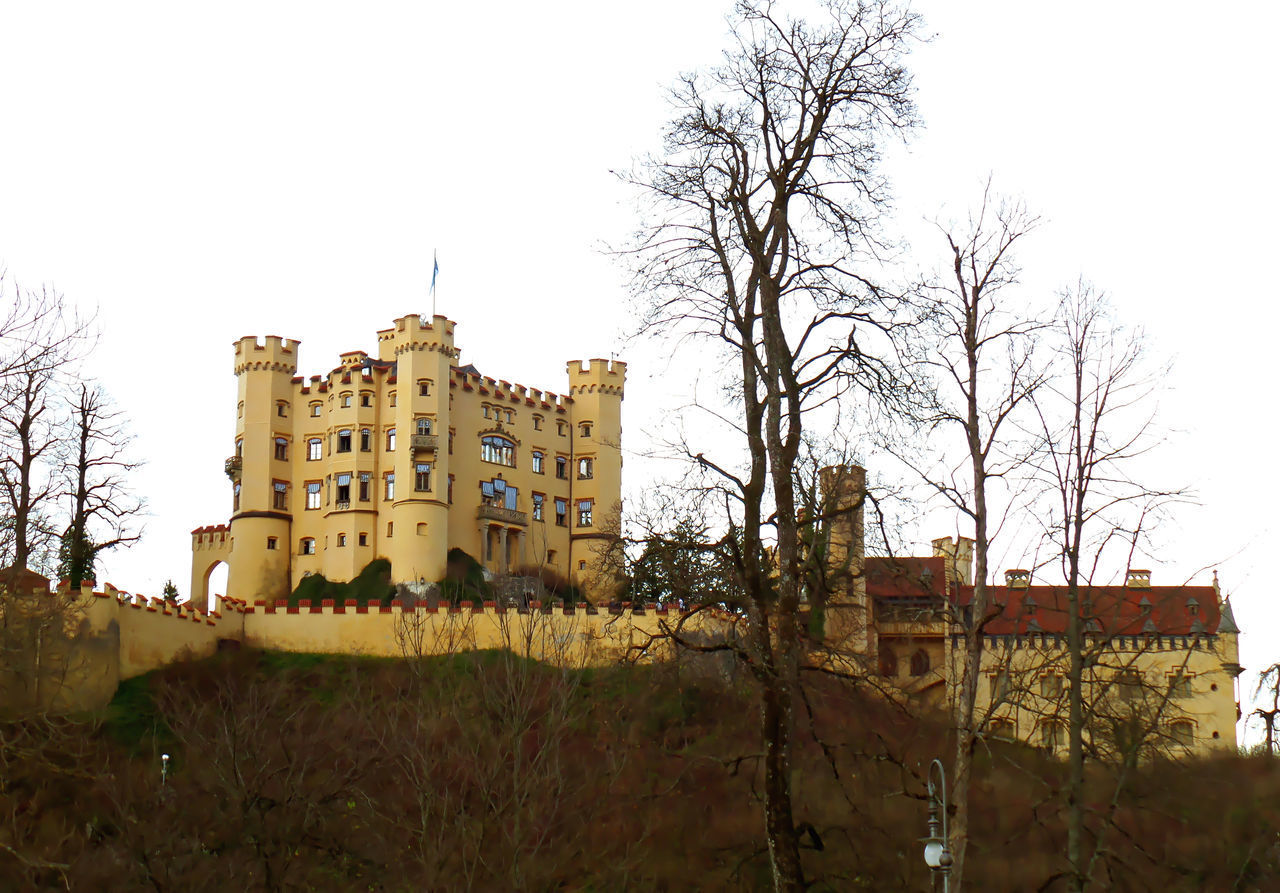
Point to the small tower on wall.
(843, 490)
(262, 501)
(596, 389)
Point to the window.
(344, 440)
(538, 499)
(343, 495)
(562, 512)
(422, 476)
(391, 526)
(364, 539)
(240, 410)
(282, 448)
(1183, 732)
(346, 400)
(498, 450)
(1051, 686)
(315, 449)
(562, 465)
(313, 494)
(511, 417)
(364, 486)
(449, 495)
(391, 440)
(315, 410)
(366, 399)
(584, 512)
(888, 662)
(1129, 683)
(422, 529)
(551, 556)
(342, 540)
(1003, 729)
(240, 448)
(560, 428)
(424, 388)
(538, 462)
(366, 440)
(584, 430)
(586, 469)
(999, 685)
(450, 441)
(484, 410)
(280, 495)
(235, 497)
(306, 546)
(1051, 734)
(424, 426)
(282, 409)
(582, 565)
(537, 423)
(1180, 685)
(920, 662)
(391, 399)
(390, 480)
(271, 542)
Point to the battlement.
(397, 606)
(272, 354)
(503, 390)
(597, 376)
(411, 333)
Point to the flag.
(435, 271)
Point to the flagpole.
(435, 268)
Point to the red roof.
(1118, 610)
(906, 577)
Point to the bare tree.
(1096, 419)
(102, 506)
(985, 370)
(763, 222)
(1269, 679)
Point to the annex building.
(1161, 662)
(405, 455)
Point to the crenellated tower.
(596, 389)
(424, 354)
(259, 469)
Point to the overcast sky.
(199, 173)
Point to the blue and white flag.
(435, 271)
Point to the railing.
(424, 441)
(342, 505)
(233, 467)
(507, 516)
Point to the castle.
(405, 456)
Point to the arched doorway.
(214, 583)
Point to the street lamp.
(937, 850)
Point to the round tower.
(262, 500)
(424, 354)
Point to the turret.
(424, 355)
(844, 605)
(259, 468)
(596, 389)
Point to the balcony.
(233, 467)
(424, 442)
(342, 505)
(506, 516)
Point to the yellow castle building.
(406, 455)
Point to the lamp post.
(937, 846)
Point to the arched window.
(391, 439)
(919, 662)
(498, 450)
(538, 460)
(888, 661)
(366, 440)
(424, 426)
(586, 468)
(314, 449)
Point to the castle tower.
(417, 538)
(596, 389)
(843, 489)
(260, 472)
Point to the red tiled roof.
(906, 577)
(1119, 610)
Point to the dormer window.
(1193, 606)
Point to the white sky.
(201, 173)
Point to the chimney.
(1136, 579)
(1017, 578)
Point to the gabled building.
(404, 455)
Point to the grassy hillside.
(484, 771)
